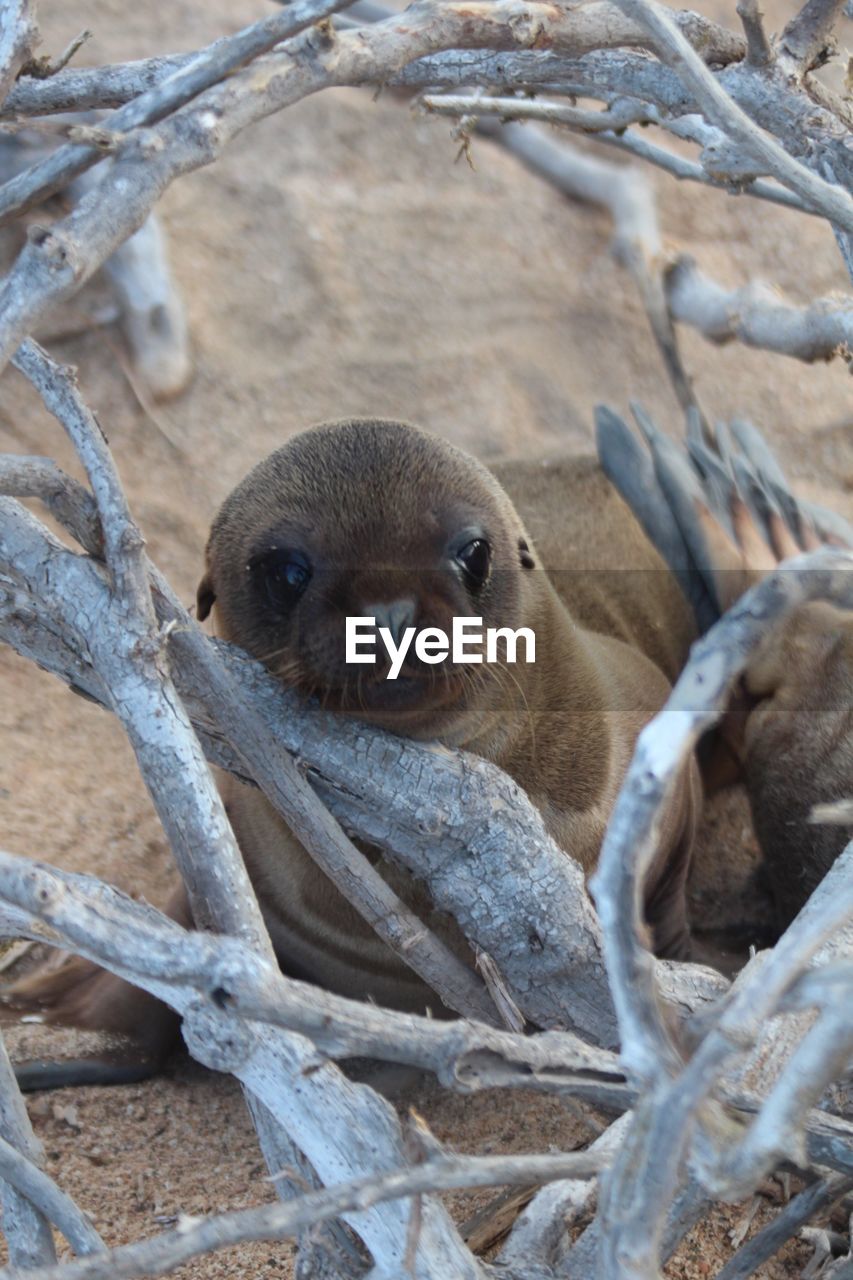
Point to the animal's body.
(379, 519)
(612, 630)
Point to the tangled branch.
(710, 1087)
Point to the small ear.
(204, 597)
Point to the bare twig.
(630, 200)
(688, 170)
(602, 124)
(43, 1193)
(44, 67)
(89, 88)
(277, 1221)
(618, 117)
(758, 317)
(152, 312)
(66, 499)
(758, 50)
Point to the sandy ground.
(337, 262)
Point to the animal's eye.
(475, 559)
(281, 576)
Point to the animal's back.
(601, 563)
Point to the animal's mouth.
(394, 702)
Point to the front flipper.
(136, 1032)
(140, 1030)
(720, 511)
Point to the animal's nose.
(396, 615)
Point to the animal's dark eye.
(281, 576)
(475, 559)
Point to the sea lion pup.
(379, 519)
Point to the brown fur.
(375, 507)
(791, 723)
(799, 748)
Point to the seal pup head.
(370, 518)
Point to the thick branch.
(117, 626)
(275, 771)
(807, 35)
(404, 797)
(695, 704)
(644, 1178)
(18, 37)
(192, 970)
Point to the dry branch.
(603, 124)
(646, 1174)
(194, 971)
(89, 88)
(56, 262)
(277, 1221)
(758, 317)
(539, 928)
(696, 703)
(721, 110)
(758, 49)
(207, 68)
(25, 1227)
(628, 197)
(342, 1130)
(808, 33)
(66, 499)
(18, 38)
(152, 313)
(46, 1197)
